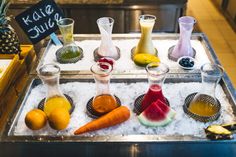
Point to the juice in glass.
(154, 93)
(104, 103)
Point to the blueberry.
(187, 59)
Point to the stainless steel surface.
(125, 146)
(34, 81)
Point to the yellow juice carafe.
(145, 44)
(49, 74)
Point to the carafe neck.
(49, 74)
(52, 84)
(101, 73)
(185, 32)
(211, 75)
(146, 32)
(68, 41)
(102, 84)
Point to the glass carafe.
(103, 102)
(70, 52)
(106, 48)
(49, 74)
(203, 102)
(183, 47)
(156, 75)
(145, 44)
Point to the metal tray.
(34, 81)
(127, 146)
(136, 70)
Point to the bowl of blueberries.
(186, 62)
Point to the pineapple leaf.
(3, 10)
(5, 6)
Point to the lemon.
(144, 59)
(35, 119)
(59, 118)
(56, 102)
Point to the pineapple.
(9, 42)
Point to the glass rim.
(157, 64)
(111, 20)
(219, 67)
(43, 73)
(104, 71)
(183, 17)
(64, 19)
(152, 17)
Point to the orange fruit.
(35, 119)
(59, 118)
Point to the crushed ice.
(181, 125)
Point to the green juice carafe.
(70, 52)
(145, 45)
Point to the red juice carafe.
(156, 75)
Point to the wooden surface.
(14, 81)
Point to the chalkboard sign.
(40, 20)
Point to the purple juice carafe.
(183, 47)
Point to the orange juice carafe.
(103, 102)
(49, 74)
(145, 44)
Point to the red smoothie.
(154, 93)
